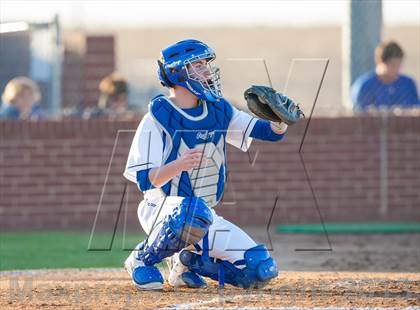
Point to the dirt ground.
(348, 252)
(112, 289)
(358, 271)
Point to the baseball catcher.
(178, 160)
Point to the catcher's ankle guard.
(193, 280)
(259, 268)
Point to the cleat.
(147, 278)
(180, 276)
(144, 277)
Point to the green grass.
(351, 228)
(35, 250)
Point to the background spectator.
(385, 88)
(19, 98)
(113, 101)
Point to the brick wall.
(52, 174)
(87, 60)
(99, 62)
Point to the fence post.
(361, 33)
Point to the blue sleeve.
(9, 112)
(359, 95)
(412, 93)
(262, 131)
(143, 181)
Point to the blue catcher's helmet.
(176, 67)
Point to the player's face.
(204, 72)
(199, 69)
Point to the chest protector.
(206, 132)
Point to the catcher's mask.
(188, 64)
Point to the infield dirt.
(112, 289)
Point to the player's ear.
(164, 81)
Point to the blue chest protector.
(206, 132)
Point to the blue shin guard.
(259, 268)
(188, 224)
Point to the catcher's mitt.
(268, 104)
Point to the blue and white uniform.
(179, 217)
(159, 139)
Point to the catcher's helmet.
(175, 68)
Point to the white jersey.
(148, 149)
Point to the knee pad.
(260, 264)
(191, 220)
(186, 225)
(259, 268)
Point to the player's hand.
(190, 159)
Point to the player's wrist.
(179, 165)
(278, 127)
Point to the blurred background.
(77, 76)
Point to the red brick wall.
(52, 174)
(99, 62)
(87, 60)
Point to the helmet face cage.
(208, 77)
